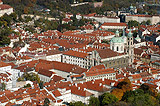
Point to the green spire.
(130, 34)
(117, 33)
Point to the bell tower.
(130, 47)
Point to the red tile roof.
(56, 93)
(2, 64)
(100, 72)
(45, 72)
(107, 53)
(81, 92)
(76, 54)
(4, 6)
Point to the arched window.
(112, 47)
(117, 48)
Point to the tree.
(108, 98)
(93, 101)
(32, 77)
(149, 88)
(129, 94)
(125, 85)
(121, 103)
(133, 23)
(118, 93)
(142, 100)
(148, 22)
(46, 102)
(3, 86)
(158, 97)
(78, 103)
(26, 86)
(41, 85)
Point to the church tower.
(130, 47)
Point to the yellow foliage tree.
(118, 93)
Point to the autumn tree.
(149, 88)
(26, 10)
(125, 85)
(118, 93)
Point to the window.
(121, 48)
(117, 48)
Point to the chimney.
(149, 70)
(76, 84)
(112, 83)
(135, 81)
(78, 88)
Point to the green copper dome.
(131, 7)
(117, 32)
(117, 40)
(130, 34)
(137, 38)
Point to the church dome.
(117, 40)
(131, 7)
(137, 38)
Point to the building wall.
(82, 62)
(63, 74)
(153, 19)
(106, 37)
(118, 47)
(113, 27)
(66, 96)
(44, 78)
(56, 57)
(103, 19)
(139, 44)
(116, 62)
(111, 76)
(5, 69)
(80, 98)
(6, 11)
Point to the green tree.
(41, 85)
(78, 103)
(46, 102)
(3, 86)
(31, 77)
(93, 101)
(108, 98)
(148, 22)
(142, 100)
(26, 86)
(133, 23)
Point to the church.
(123, 44)
(5, 9)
